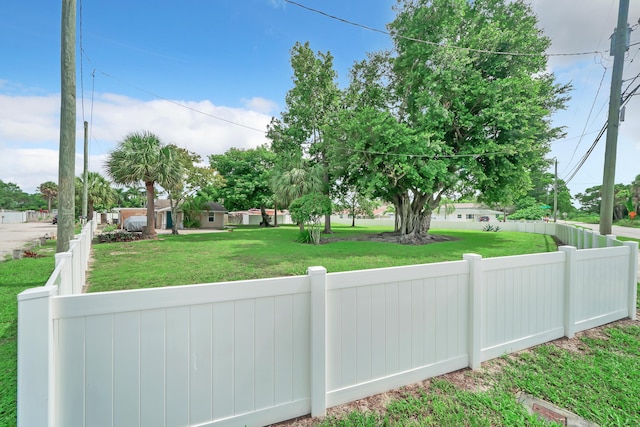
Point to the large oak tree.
(463, 98)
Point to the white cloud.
(261, 105)
(29, 131)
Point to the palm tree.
(142, 157)
(294, 177)
(634, 189)
(99, 192)
(447, 205)
(49, 191)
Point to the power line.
(432, 156)
(182, 105)
(584, 158)
(445, 46)
(588, 118)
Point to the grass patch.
(15, 277)
(251, 253)
(601, 385)
(443, 404)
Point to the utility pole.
(67, 149)
(619, 47)
(85, 174)
(555, 193)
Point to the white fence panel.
(522, 302)
(601, 294)
(258, 352)
(205, 360)
(388, 325)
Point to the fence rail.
(261, 351)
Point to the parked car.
(484, 219)
(135, 223)
(54, 220)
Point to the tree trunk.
(90, 211)
(325, 179)
(414, 216)
(275, 215)
(174, 216)
(265, 217)
(149, 232)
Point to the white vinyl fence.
(262, 351)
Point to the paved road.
(16, 236)
(634, 233)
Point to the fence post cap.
(316, 270)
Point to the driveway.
(616, 230)
(16, 236)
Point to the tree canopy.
(246, 178)
(312, 103)
(431, 116)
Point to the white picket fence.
(262, 351)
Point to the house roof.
(215, 207)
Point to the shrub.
(304, 237)
(119, 236)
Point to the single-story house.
(213, 216)
(466, 212)
(254, 217)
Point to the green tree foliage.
(634, 192)
(310, 113)
(591, 198)
(49, 191)
(446, 206)
(533, 213)
(142, 158)
(13, 198)
(294, 176)
(100, 195)
(192, 178)
(246, 177)
(356, 203)
(437, 113)
(309, 210)
(130, 197)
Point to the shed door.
(169, 221)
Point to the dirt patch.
(390, 237)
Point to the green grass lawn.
(601, 382)
(15, 277)
(250, 253)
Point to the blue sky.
(230, 59)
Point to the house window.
(469, 216)
(212, 217)
(459, 216)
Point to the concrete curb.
(550, 412)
